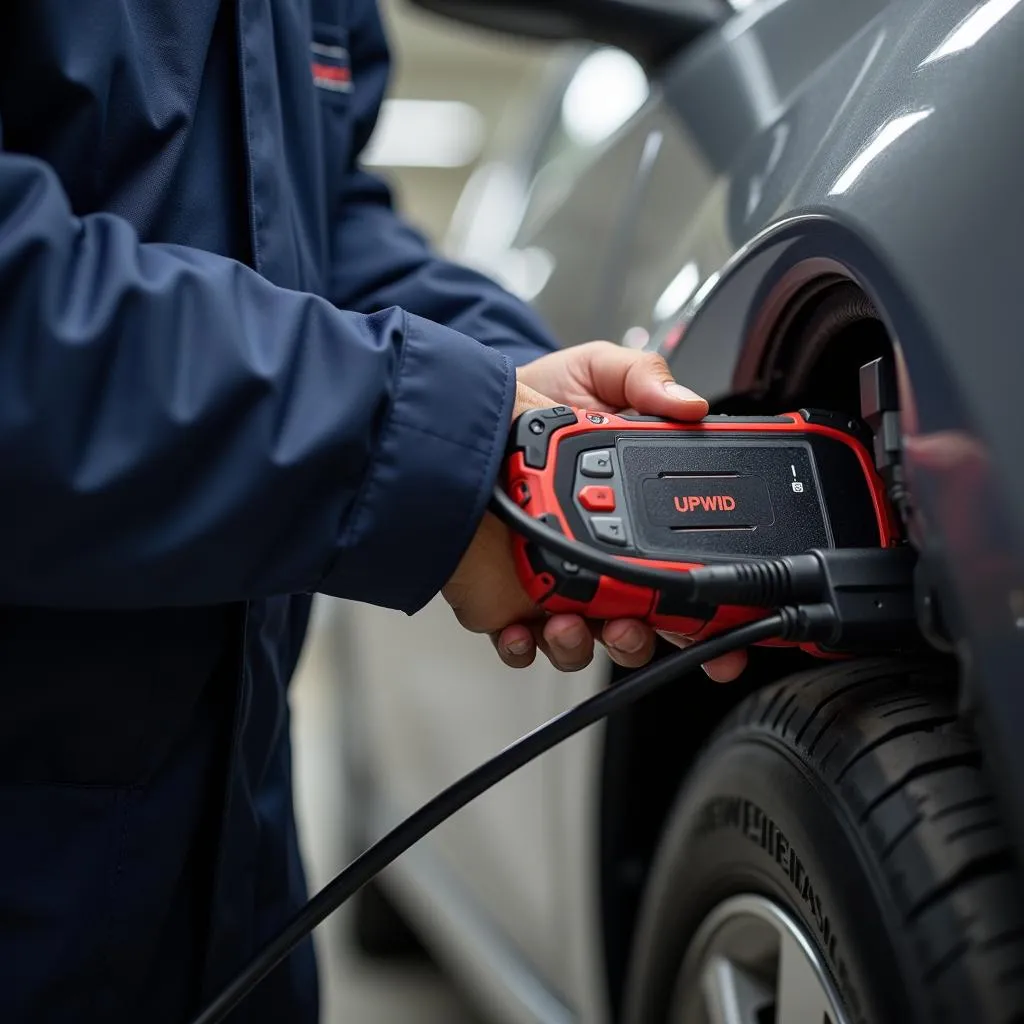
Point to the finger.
(652, 390)
(623, 377)
(675, 638)
(727, 668)
(515, 646)
(568, 642)
(629, 643)
(721, 670)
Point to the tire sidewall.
(753, 818)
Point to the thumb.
(651, 389)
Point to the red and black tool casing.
(678, 496)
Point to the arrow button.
(610, 529)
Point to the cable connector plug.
(868, 592)
(871, 592)
(764, 583)
(807, 623)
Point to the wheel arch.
(648, 749)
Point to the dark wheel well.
(820, 341)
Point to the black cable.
(582, 554)
(755, 582)
(788, 623)
(840, 596)
(817, 576)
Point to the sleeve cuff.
(435, 464)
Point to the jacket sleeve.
(400, 268)
(176, 430)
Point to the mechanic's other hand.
(487, 597)
(722, 670)
(608, 378)
(484, 591)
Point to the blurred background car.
(774, 194)
(460, 98)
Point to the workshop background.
(457, 94)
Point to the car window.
(554, 130)
(606, 88)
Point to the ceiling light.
(609, 87)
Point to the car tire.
(845, 814)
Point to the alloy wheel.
(750, 962)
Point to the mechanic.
(230, 376)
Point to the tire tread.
(889, 739)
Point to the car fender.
(900, 167)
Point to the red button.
(597, 499)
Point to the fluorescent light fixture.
(675, 296)
(978, 23)
(425, 133)
(608, 88)
(884, 138)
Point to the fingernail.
(711, 675)
(571, 639)
(518, 647)
(680, 393)
(629, 642)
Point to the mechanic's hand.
(487, 597)
(609, 378)
(485, 592)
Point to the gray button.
(610, 529)
(597, 464)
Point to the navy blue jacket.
(223, 386)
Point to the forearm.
(176, 430)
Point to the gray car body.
(857, 136)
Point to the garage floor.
(353, 991)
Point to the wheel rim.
(751, 963)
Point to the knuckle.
(655, 363)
